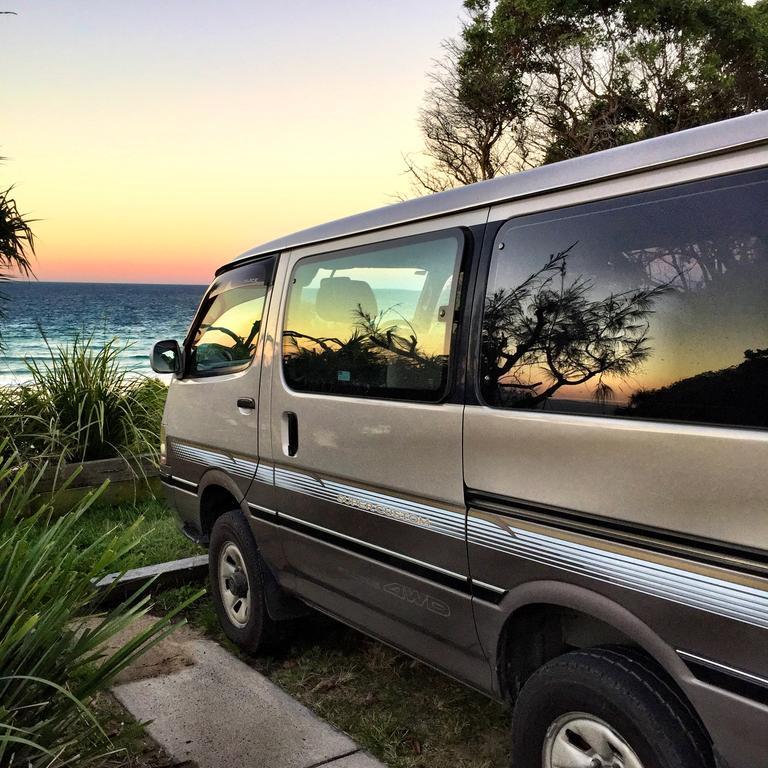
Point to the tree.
(556, 79)
(17, 243)
(465, 143)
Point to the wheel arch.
(217, 493)
(537, 613)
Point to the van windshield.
(226, 334)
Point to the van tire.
(255, 631)
(616, 689)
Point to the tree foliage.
(536, 81)
(17, 244)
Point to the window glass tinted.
(375, 322)
(653, 306)
(226, 335)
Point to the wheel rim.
(234, 586)
(579, 740)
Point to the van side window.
(374, 321)
(653, 305)
(225, 336)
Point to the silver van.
(518, 430)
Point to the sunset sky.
(156, 140)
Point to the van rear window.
(373, 322)
(652, 305)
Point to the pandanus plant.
(52, 636)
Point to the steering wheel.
(232, 335)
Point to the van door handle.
(290, 433)
(246, 402)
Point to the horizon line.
(31, 281)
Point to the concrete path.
(212, 710)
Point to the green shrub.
(52, 661)
(82, 404)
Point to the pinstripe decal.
(437, 519)
(265, 474)
(675, 584)
(695, 590)
(236, 466)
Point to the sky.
(154, 141)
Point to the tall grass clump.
(82, 404)
(52, 658)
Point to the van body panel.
(671, 595)
(196, 411)
(401, 609)
(206, 427)
(667, 605)
(467, 219)
(676, 477)
(719, 165)
(355, 484)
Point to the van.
(518, 430)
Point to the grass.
(159, 538)
(403, 712)
(131, 746)
(400, 710)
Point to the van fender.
(217, 477)
(602, 608)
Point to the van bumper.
(185, 505)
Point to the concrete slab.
(115, 588)
(218, 711)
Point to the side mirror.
(166, 357)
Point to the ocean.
(135, 314)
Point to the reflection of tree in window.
(373, 323)
(378, 345)
(547, 333)
(646, 312)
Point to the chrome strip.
(395, 508)
(177, 479)
(166, 481)
(748, 676)
(397, 555)
(259, 508)
(695, 590)
(492, 587)
(265, 474)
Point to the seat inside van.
(339, 298)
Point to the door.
(212, 413)
(367, 445)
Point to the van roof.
(716, 138)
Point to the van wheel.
(603, 708)
(236, 575)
